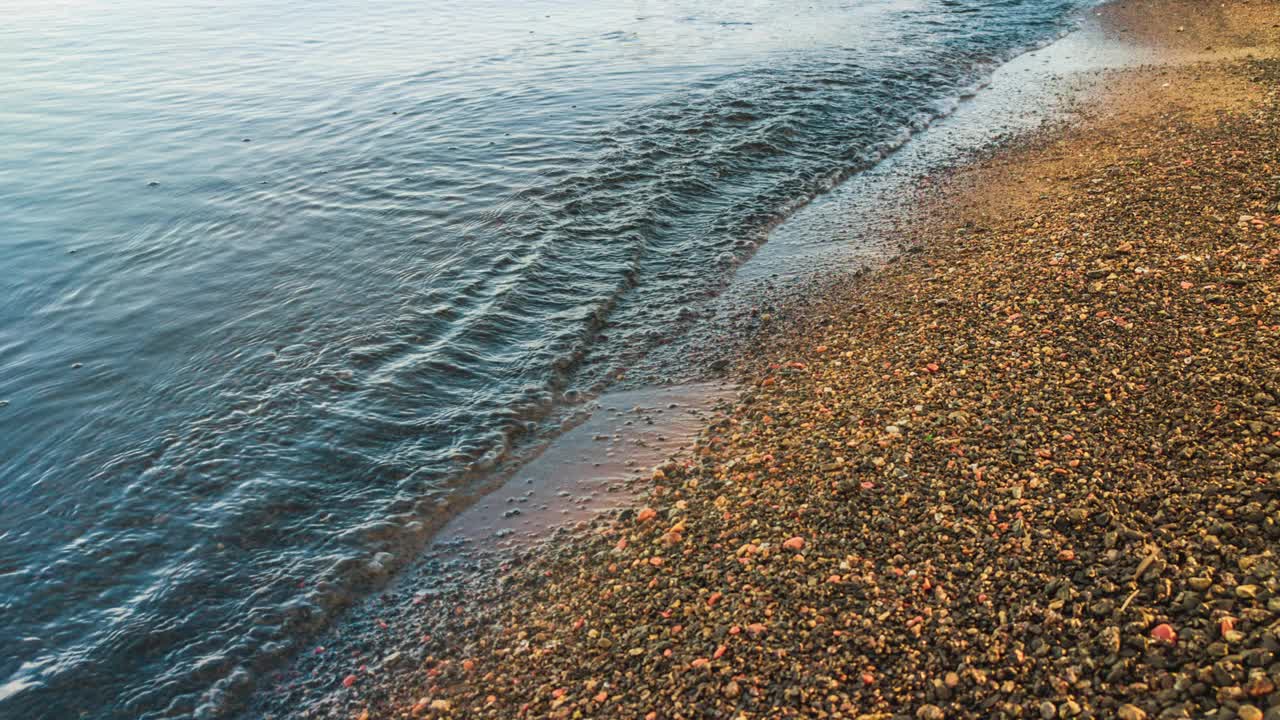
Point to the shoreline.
(546, 603)
(469, 541)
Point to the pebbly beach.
(661, 360)
(1028, 468)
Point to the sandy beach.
(1029, 468)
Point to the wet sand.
(591, 469)
(1026, 469)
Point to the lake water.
(280, 280)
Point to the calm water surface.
(278, 278)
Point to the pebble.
(930, 712)
(1164, 633)
(1131, 712)
(1248, 712)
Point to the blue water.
(279, 279)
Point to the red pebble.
(348, 681)
(1165, 633)
(1226, 625)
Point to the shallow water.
(279, 278)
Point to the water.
(280, 280)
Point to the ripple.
(257, 385)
